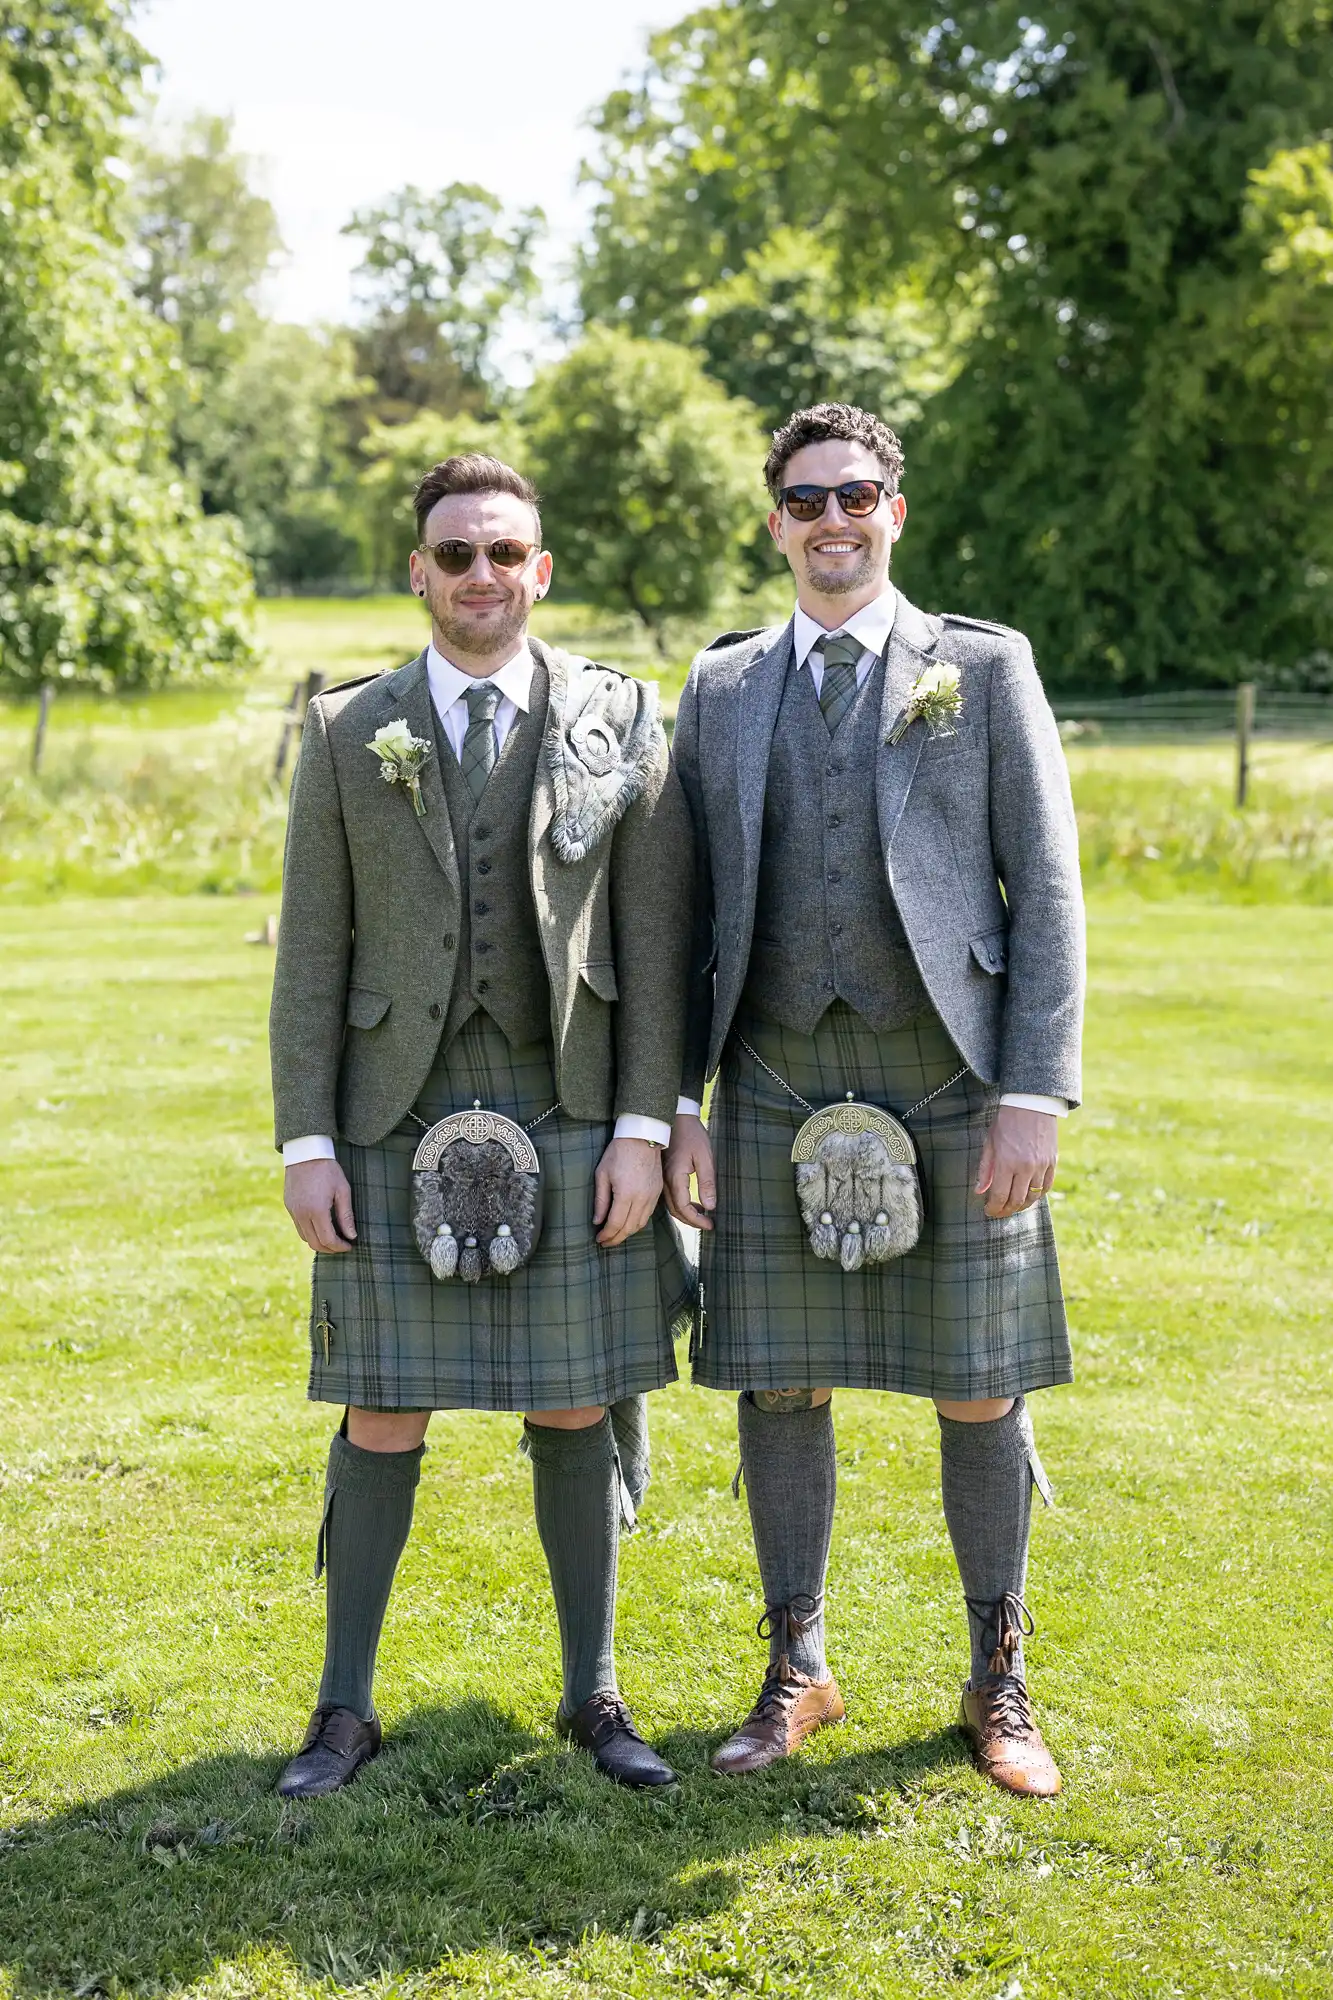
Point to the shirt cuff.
(296, 1152)
(689, 1107)
(1054, 1107)
(629, 1125)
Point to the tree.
(108, 574)
(650, 475)
(1125, 452)
(441, 275)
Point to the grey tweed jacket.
(368, 944)
(978, 834)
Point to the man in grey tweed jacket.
(888, 908)
(505, 923)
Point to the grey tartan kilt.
(576, 1325)
(975, 1310)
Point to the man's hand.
(628, 1187)
(690, 1153)
(319, 1201)
(1018, 1159)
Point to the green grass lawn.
(160, 1478)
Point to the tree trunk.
(44, 700)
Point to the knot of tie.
(482, 702)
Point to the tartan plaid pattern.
(577, 1325)
(838, 689)
(478, 758)
(975, 1310)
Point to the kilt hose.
(577, 1325)
(975, 1310)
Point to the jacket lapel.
(756, 719)
(407, 693)
(911, 645)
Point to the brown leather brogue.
(790, 1708)
(1006, 1743)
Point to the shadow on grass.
(467, 1832)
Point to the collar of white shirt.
(448, 684)
(872, 625)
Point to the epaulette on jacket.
(362, 680)
(979, 624)
(732, 639)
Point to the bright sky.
(343, 102)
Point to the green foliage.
(108, 575)
(649, 475)
(1121, 217)
(205, 239)
(441, 273)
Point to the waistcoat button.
(480, 907)
(483, 868)
(480, 944)
(833, 820)
(483, 985)
(481, 833)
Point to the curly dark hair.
(833, 420)
(471, 472)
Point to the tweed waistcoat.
(500, 967)
(826, 925)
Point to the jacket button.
(483, 985)
(449, 940)
(435, 1010)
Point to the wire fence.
(1188, 716)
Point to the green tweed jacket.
(367, 952)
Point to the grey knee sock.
(987, 1473)
(576, 1495)
(368, 1501)
(629, 1421)
(791, 1481)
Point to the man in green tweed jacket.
(504, 923)
(889, 910)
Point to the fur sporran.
(858, 1185)
(476, 1196)
(858, 1178)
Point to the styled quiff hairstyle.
(472, 472)
(842, 421)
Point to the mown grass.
(159, 1630)
(177, 791)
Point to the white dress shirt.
(448, 692)
(872, 625)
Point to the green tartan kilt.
(975, 1310)
(577, 1325)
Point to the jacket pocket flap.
(991, 951)
(365, 1008)
(600, 974)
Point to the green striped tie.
(478, 758)
(838, 691)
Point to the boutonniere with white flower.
(934, 698)
(401, 756)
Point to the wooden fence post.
(1244, 730)
(303, 693)
(44, 700)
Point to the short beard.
(838, 583)
(499, 638)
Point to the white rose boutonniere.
(401, 756)
(935, 698)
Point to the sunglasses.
(456, 557)
(858, 498)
